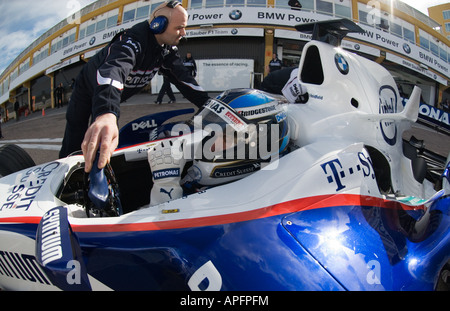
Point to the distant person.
(190, 64)
(275, 64)
(446, 106)
(165, 88)
(16, 109)
(59, 93)
(1, 121)
(295, 5)
(120, 70)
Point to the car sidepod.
(378, 245)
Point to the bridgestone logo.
(256, 111)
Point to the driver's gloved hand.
(166, 163)
(294, 90)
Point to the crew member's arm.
(179, 75)
(194, 69)
(111, 76)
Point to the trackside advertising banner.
(223, 74)
(217, 75)
(252, 15)
(435, 116)
(403, 47)
(246, 16)
(283, 17)
(432, 115)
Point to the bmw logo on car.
(341, 63)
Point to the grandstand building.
(233, 42)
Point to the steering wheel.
(101, 192)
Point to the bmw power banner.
(276, 17)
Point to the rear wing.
(330, 31)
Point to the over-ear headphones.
(159, 23)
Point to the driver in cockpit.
(241, 130)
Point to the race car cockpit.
(242, 130)
(235, 135)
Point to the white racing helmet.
(245, 129)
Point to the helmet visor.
(218, 113)
(225, 126)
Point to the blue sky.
(23, 21)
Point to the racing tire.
(13, 159)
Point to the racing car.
(346, 205)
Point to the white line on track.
(35, 143)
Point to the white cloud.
(12, 45)
(21, 40)
(423, 6)
(23, 21)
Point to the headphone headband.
(173, 3)
(159, 23)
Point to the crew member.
(275, 63)
(190, 64)
(120, 70)
(59, 92)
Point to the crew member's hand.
(104, 133)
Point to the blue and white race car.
(345, 205)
